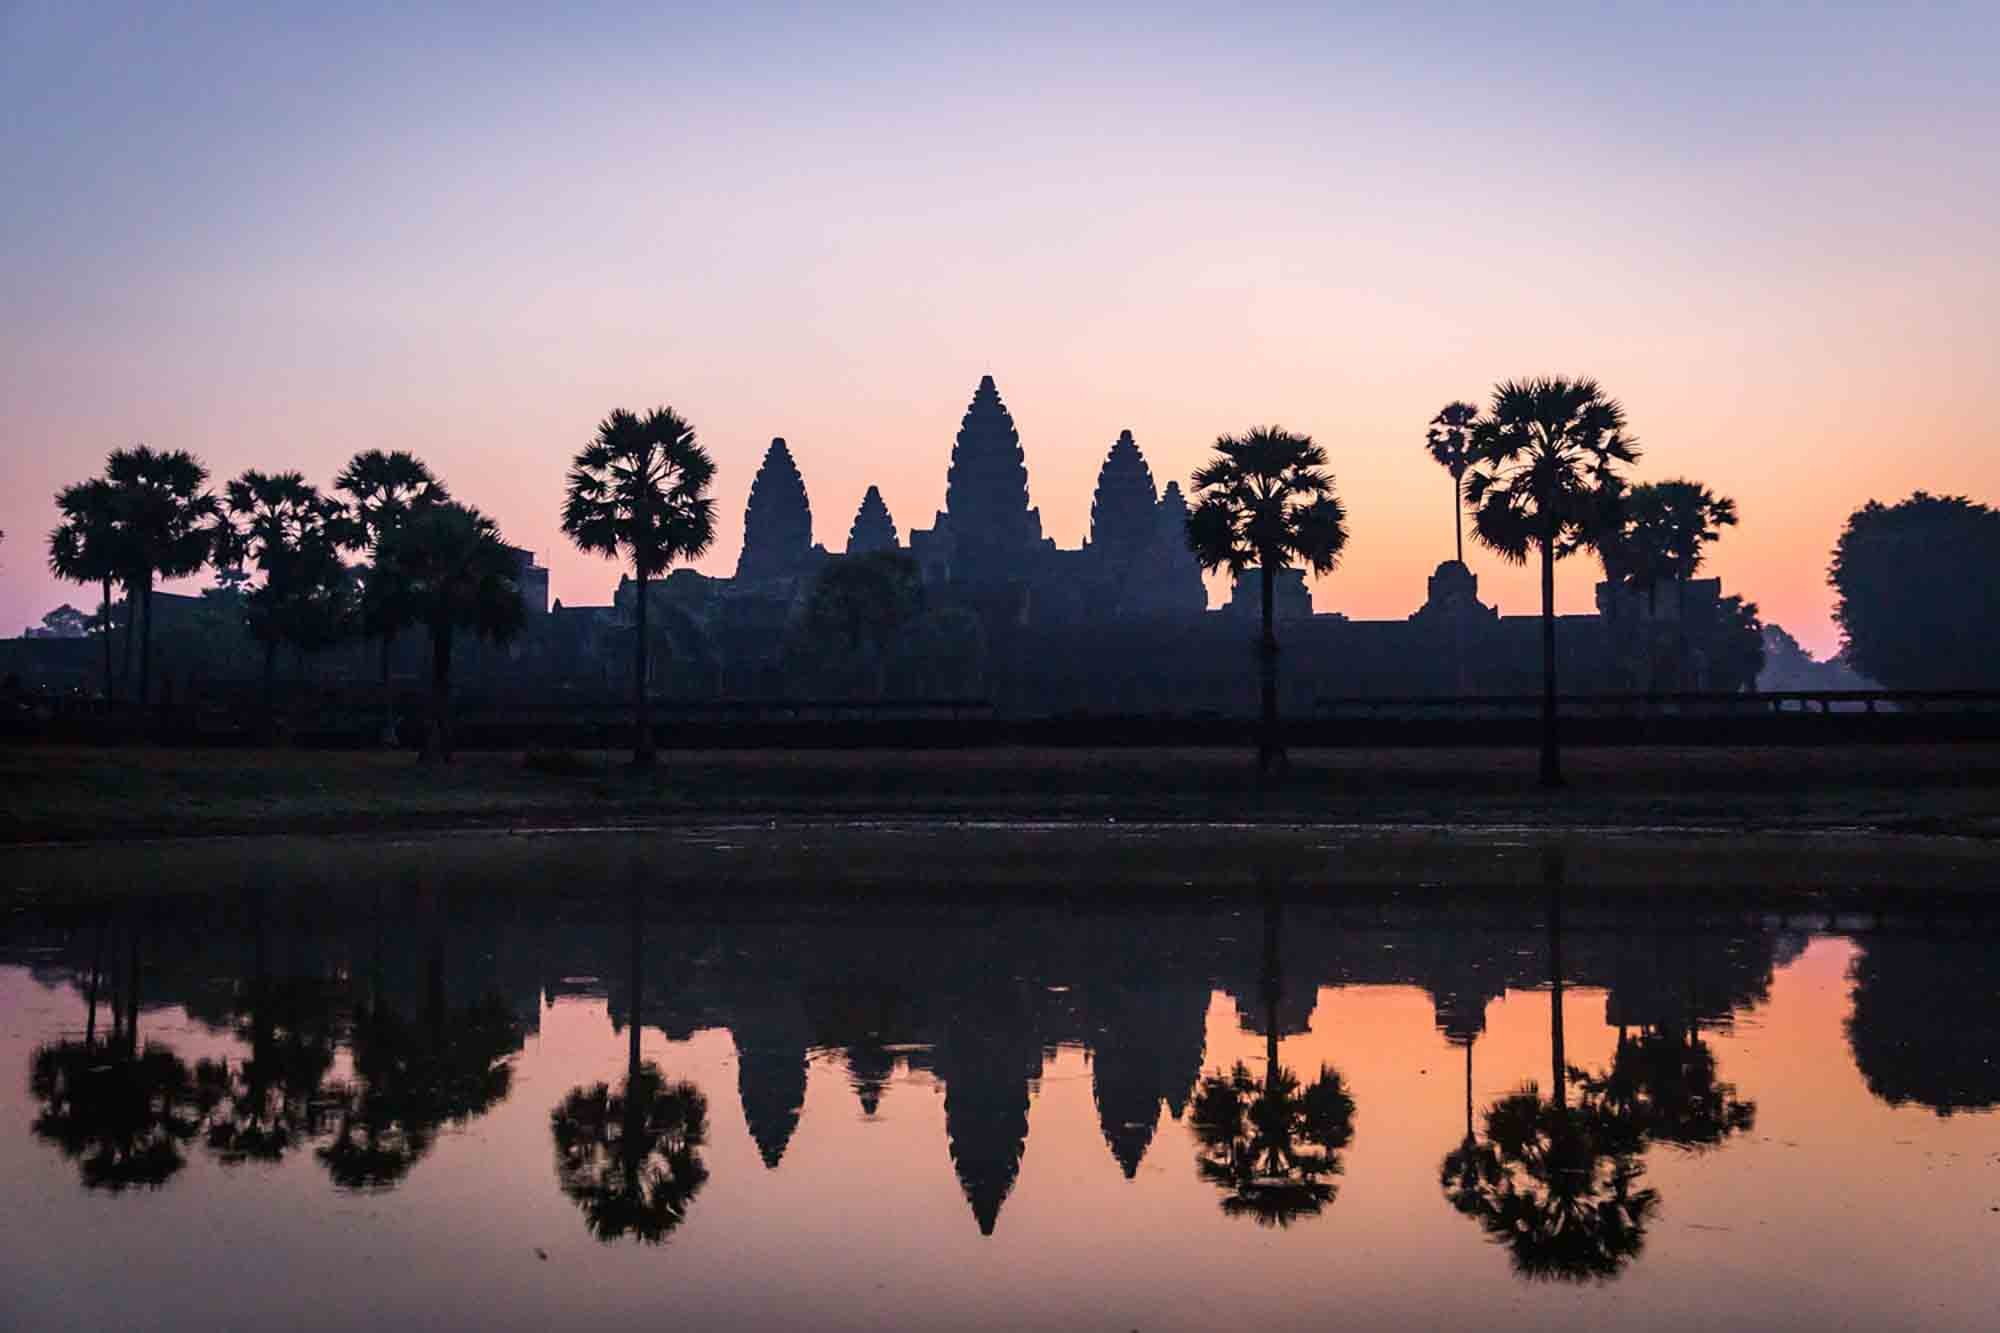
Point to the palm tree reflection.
(1273, 1147)
(121, 1111)
(412, 1078)
(631, 1160)
(1558, 1185)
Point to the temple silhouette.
(1001, 614)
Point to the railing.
(1694, 704)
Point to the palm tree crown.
(1543, 464)
(638, 490)
(1265, 499)
(1449, 441)
(383, 489)
(457, 572)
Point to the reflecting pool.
(404, 1087)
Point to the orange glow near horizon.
(1777, 252)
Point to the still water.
(518, 1099)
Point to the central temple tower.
(994, 533)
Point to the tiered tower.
(777, 523)
(873, 529)
(1165, 582)
(994, 533)
(1122, 512)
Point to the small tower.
(873, 529)
(777, 523)
(1165, 582)
(1122, 512)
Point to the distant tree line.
(387, 549)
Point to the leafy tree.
(65, 622)
(383, 490)
(857, 609)
(123, 1115)
(458, 576)
(168, 525)
(1919, 592)
(88, 547)
(290, 533)
(1265, 499)
(1663, 530)
(639, 491)
(1543, 479)
(1449, 441)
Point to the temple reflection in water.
(1558, 1087)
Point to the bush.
(558, 763)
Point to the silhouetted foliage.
(1265, 500)
(290, 533)
(857, 612)
(88, 546)
(1557, 1185)
(1543, 478)
(167, 521)
(447, 562)
(1919, 592)
(123, 1116)
(640, 491)
(410, 1081)
(631, 1160)
(1272, 1146)
(1925, 1027)
(1449, 442)
(383, 490)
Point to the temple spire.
(993, 530)
(1122, 515)
(777, 522)
(873, 529)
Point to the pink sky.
(280, 243)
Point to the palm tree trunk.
(270, 689)
(131, 631)
(437, 740)
(1274, 983)
(1468, 1089)
(1558, 1053)
(146, 644)
(388, 698)
(1551, 761)
(96, 973)
(1270, 754)
(1458, 515)
(642, 741)
(104, 628)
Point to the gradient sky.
(276, 237)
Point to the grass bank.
(77, 794)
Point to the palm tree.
(168, 521)
(640, 490)
(449, 562)
(631, 1160)
(1664, 529)
(383, 490)
(290, 532)
(86, 547)
(1557, 1185)
(1543, 478)
(1449, 441)
(1273, 1147)
(1265, 500)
